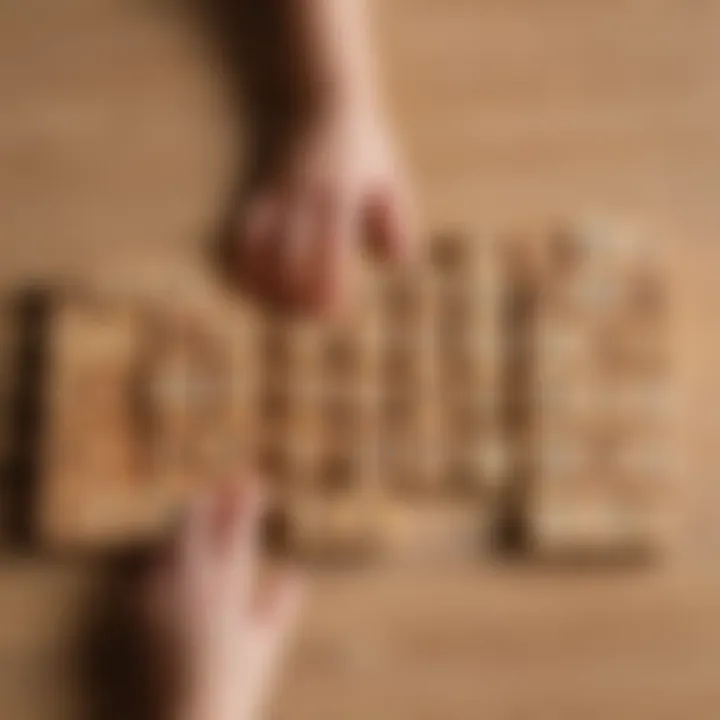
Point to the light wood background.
(116, 156)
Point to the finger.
(269, 261)
(294, 254)
(390, 224)
(191, 540)
(181, 564)
(278, 607)
(259, 225)
(334, 249)
(237, 533)
(270, 630)
(237, 509)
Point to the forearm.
(332, 47)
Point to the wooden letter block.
(588, 394)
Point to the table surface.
(116, 156)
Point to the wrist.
(337, 98)
(213, 703)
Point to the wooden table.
(116, 155)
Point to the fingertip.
(247, 493)
(237, 503)
(331, 294)
(392, 227)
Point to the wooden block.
(147, 403)
(93, 456)
(588, 325)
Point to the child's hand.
(217, 640)
(339, 188)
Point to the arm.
(218, 629)
(331, 180)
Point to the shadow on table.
(116, 672)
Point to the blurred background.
(119, 148)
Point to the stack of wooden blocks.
(520, 380)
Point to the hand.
(217, 637)
(338, 188)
